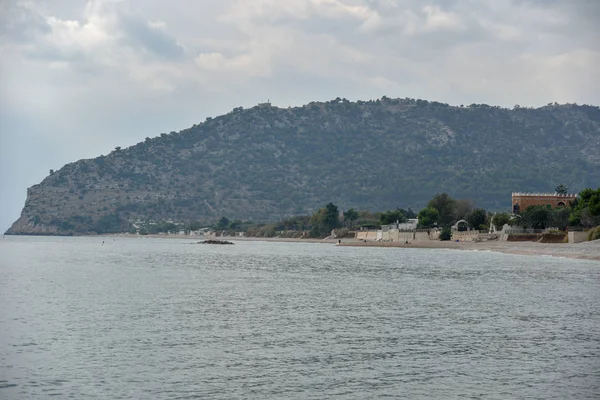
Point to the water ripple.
(164, 319)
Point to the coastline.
(584, 251)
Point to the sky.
(79, 78)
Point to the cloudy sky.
(79, 78)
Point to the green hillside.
(266, 163)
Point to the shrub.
(500, 219)
(594, 234)
(446, 234)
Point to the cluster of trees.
(542, 217)
(398, 215)
(324, 221)
(583, 212)
(442, 211)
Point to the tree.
(428, 217)
(194, 226)
(390, 217)
(586, 208)
(477, 218)
(446, 233)
(560, 217)
(350, 216)
(561, 189)
(445, 206)
(332, 216)
(587, 219)
(536, 217)
(51, 172)
(223, 223)
(367, 219)
(462, 208)
(500, 219)
(324, 221)
(594, 204)
(235, 224)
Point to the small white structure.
(397, 231)
(409, 225)
(462, 221)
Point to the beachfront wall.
(465, 236)
(367, 235)
(395, 235)
(577, 237)
(521, 201)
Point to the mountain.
(265, 163)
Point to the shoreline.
(583, 251)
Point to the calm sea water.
(168, 319)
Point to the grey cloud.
(391, 35)
(26, 27)
(473, 49)
(583, 21)
(139, 33)
(21, 24)
(55, 53)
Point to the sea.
(136, 318)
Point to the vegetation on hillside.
(267, 164)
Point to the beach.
(584, 250)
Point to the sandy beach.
(585, 250)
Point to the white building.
(409, 225)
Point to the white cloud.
(438, 20)
(248, 64)
(339, 9)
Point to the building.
(521, 201)
(409, 225)
(397, 231)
